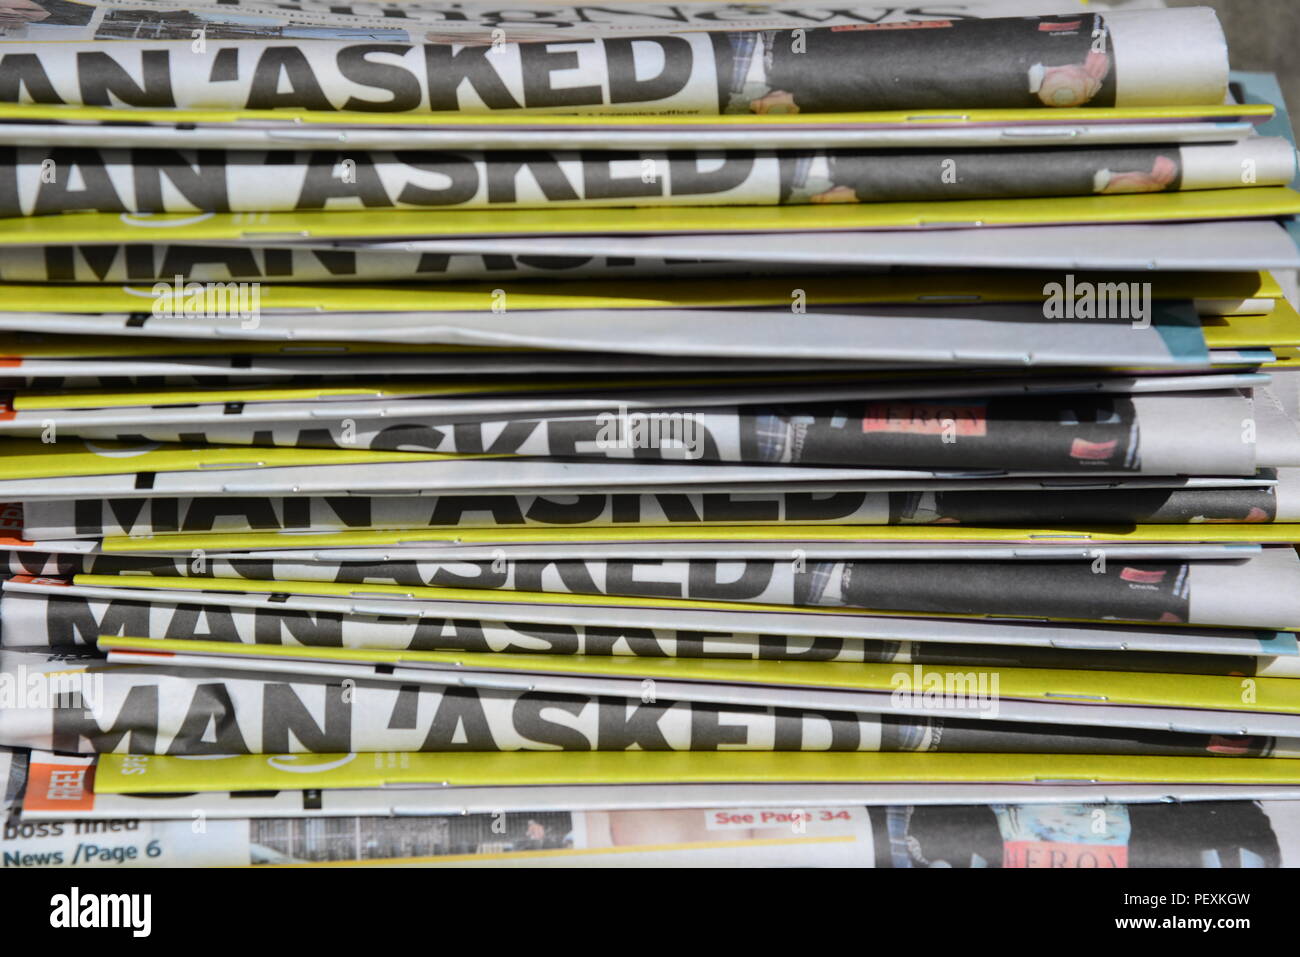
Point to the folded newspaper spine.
(1069, 434)
(54, 702)
(1199, 593)
(1128, 58)
(44, 181)
(73, 622)
(145, 263)
(1203, 833)
(470, 23)
(89, 517)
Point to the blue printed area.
(1263, 88)
(1065, 823)
(1277, 642)
(1180, 329)
(1254, 357)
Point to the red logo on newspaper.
(11, 517)
(30, 580)
(1142, 577)
(925, 418)
(1222, 744)
(61, 787)
(1049, 854)
(1092, 451)
(1054, 27)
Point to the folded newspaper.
(1258, 591)
(91, 518)
(40, 182)
(1115, 59)
(535, 826)
(168, 709)
(53, 614)
(1141, 433)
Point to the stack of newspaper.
(703, 432)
